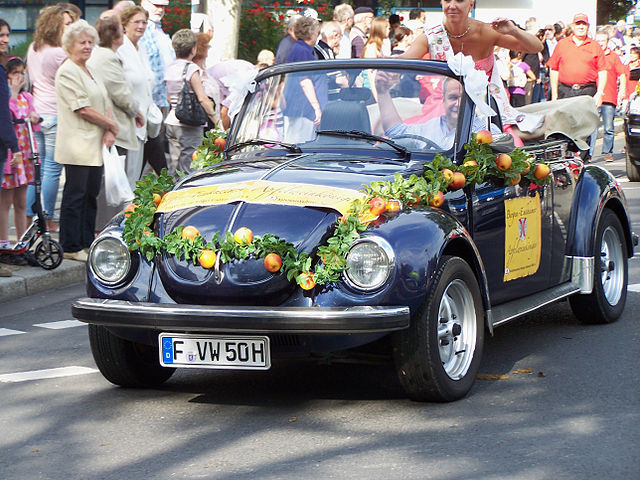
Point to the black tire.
(606, 302)
(48, 258)
(125, 363)
(633, 172)
(428, 368)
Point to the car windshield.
(408, 109)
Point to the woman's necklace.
(462, 34)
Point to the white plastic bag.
(154, 120)
(116, 184)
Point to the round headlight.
(369, 263)
(109, 260)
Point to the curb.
(28, 280)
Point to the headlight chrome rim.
(123, 270)
(386, 248)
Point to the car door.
(512, 227)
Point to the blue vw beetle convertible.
(357, 203)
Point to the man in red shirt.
(577, 65)
(615, 73)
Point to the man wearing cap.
(361, 25)
(577, 65)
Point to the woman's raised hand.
(503, 25)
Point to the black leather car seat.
(345, 115)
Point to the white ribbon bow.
(475, 81)
(239, 84)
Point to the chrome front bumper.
(231, 319)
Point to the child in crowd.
(18, 173)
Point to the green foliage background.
(612, 10)
(177, 16)
(263, 24)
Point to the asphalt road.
(575, 416)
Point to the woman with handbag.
(84, 126)
(190, 106)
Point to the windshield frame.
(419, 66)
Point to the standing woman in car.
(85, 123)
(459, 33)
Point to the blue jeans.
(50, 171)
(606, 111)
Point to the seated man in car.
(439, 130)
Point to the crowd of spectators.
(117, 84)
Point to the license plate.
(214, 351)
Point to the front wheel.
(438, 356)
(606, 301)
(125, 363)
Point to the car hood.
(248, 282)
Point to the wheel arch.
(616, 206)
(462, 247)
(595, 183)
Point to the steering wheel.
(429, 144)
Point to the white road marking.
(59, 325)
(7, 331)
(634, 288)
(48, 373)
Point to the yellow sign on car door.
(522, 237)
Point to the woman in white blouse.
(138, 74)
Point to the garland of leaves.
(209, 153)
(383, 199)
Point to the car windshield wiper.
(367, 136)
(260, 141)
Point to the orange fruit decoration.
(541, 171)
(243, 236)
(306, 281)
(273, 262)
(394, 205)
(190, 232)
(207, 258)
(437, 200)
(484, 136)
(129, 209)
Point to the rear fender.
(597, 189)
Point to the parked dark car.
(632, 132)
(423, 282)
